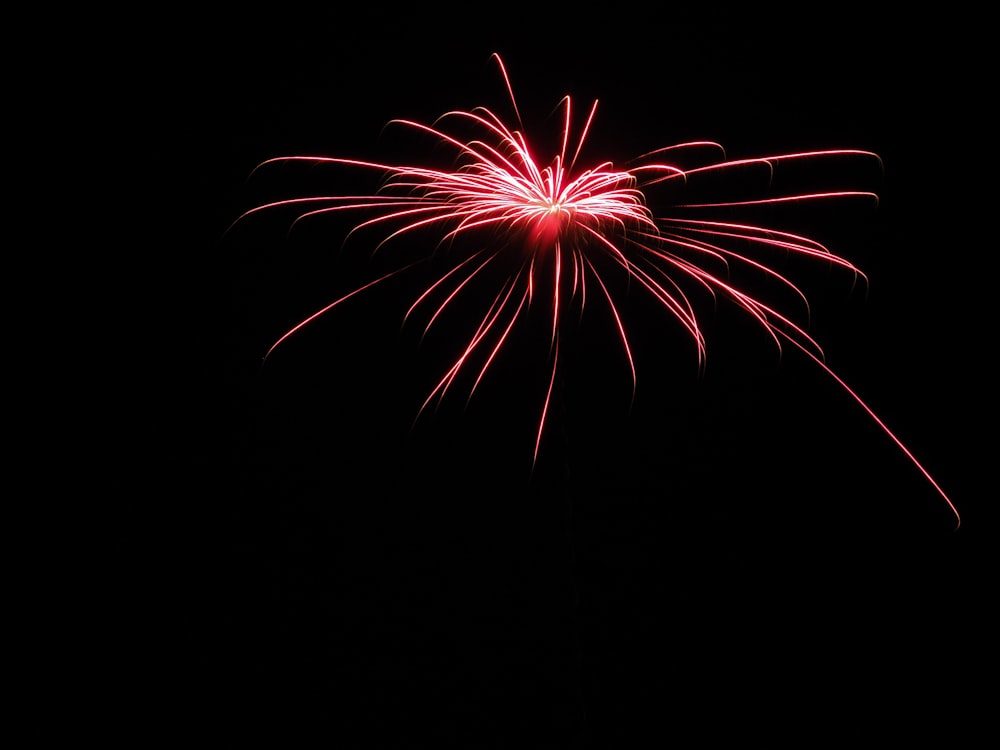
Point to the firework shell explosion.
(555, 235)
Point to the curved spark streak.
(584, 218)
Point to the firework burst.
(555, 233)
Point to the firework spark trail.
(564, 223)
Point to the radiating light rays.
(564, 235)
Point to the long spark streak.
(496, 192)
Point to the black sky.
(742, 555)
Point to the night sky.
(737, 555)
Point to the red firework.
(559, 228)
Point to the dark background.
(742, 555)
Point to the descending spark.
(564, 227)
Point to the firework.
(564, 236)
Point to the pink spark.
(567, 224)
